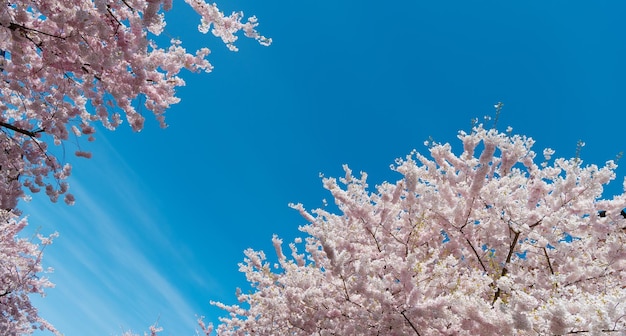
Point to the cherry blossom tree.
(67, 64)
(487, 242)
(20, 276)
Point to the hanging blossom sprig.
(67, 64)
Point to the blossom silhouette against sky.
(162, 216)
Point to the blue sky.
(162, 217)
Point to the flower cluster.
(485, 242)
(67, 64)
(20, 276)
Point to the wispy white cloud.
(106, 280)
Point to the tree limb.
(19, 130)
(410, 323)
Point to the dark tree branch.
(537, 223)
(477, 256)
(19, 130)
(410, 323)
(508, 260)
(602, 213)
(545, 252)
(372, 234)
(589, 331)
(16, 27)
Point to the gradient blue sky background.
(162, 217)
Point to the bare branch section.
(545, 253)
(19, 130)
(508, 260)
(410, 323)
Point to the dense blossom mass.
(486, 242)
(65, 65)
(20, 276)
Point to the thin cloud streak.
(108, 246)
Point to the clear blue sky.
(162, 217)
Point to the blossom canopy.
(485, 242)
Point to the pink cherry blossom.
(484, 243)
(20, 276)
(65, 65)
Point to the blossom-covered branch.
(20, 276)
(67, 64)
(488, 242)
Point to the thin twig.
(548, 259)
(410, 323)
